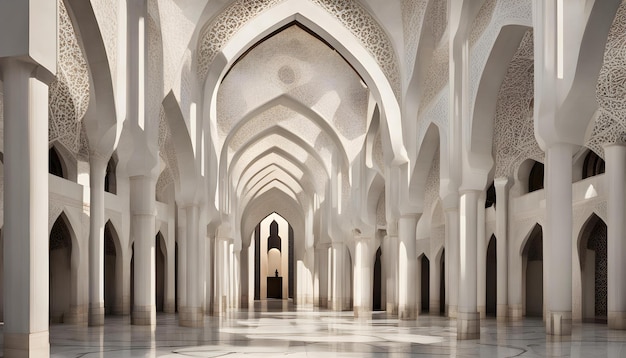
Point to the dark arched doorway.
(533, 272)
(378, 283)
(491, 279)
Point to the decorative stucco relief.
(610, 125)
(107, 13)
(349, 12)
(482, 20)
(431, 191)
(505, 12)
(167, 150)
(154, 91)
(176, 30)
(514, 135)
(381, 212)
(437, 76)
(69, 92)
(437, 18)
(163, 182)
(413, 12)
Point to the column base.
(616, 319)
(559, 323)
(362, 313)
(502, 312)
(516, 312)
(96, 314)
(76, 315)
(452, 311)
(407, 313)
(144, 316)
(392, 309)
(434, 307)
(191, 317)
(26, 345)
(482, 311)
(468, 325)
(169, 307)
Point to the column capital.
(501, 181)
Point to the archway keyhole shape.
(535, 178)
(442, 284)
(273, 262)
(594, 267)
(55, 163)
(533, 272)
(160, 271)
(60, 271)
(378, 282)
(112, 269)
(425, 283)
(491, 278)
(593, 165)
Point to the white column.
(616, 233)
(142, 227)
(191, 313)
(502, 257)
(468, 318)
(323, 276)
(481, 259)
(337, 276)
(182, 259)
(316, 278)
(452, 259)
(407, 267)
(558, 186)
(363, 276)
(25, 229)
(391, 264)
(221, 275)
(210, 275)
(97, 171)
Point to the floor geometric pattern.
(281, 330)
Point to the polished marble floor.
(281, 330)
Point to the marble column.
(558, 185)
(363, 277)
(338, 276)
(468, 318)
(222, 264)
(97, 172)
(407, 267)
(210, 275)
(615, 156)
(142, 227)
(452, 260)
(191, 313)
(26, 309)
(502, 256)
(390, 251)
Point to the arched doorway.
(159, 261)
(533, 272)
(273, 258)
(442, 284)
(491, 279)
(425, 283)
(378, 283)
(593, 264)
(60, 269)
(111, 268)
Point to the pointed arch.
(311, 17)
